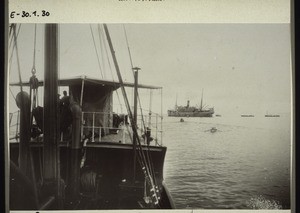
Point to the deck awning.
(91, 81)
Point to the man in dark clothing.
(65, 115)
(65, 100)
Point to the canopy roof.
(91, 81)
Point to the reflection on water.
(260, 202)
(245, 164)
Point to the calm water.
(245, 163)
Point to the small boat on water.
(76, 153)
(247, 115)
(212, 130)
(217, 115)
(272, 115)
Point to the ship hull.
(105, 180)
(172, 113)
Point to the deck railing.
(88, 124)
(91, 124)
(96, 131)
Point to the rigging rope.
(150, 107)
(109, 65)
(101, 49)
(22, 94)
(11, 33)
(12, 94)
(14, 45)
(34, 83)
(130, 57)
(105, 48)
(145, 169)
(131, 63)
(17, 54)
(128, 49)
(96, 51)
(34, 49)
(148, 156)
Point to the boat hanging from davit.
(76, 153)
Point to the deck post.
(136, 69)
(82, 89)
(93, 128)
(17, 125)
(156, 127)
(82, 123)
(123, 130)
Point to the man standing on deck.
(65, 115)
(65, 100)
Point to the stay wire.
(101, 49)
(128, 49)
(131, 63)
(109, 65)
(18, 61)
(12, 94)
(148, 148)
(22, 101)
(11, 33)
(34, 48)
(12, 51)
(130, 57)
(143, 122)
(96, 51)
(148, 158)
(128, 108)
(105, 48)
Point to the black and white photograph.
(136, 116)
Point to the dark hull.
(104, 182)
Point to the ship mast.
(201, 101)
(176, 102)
(51, 131)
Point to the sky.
(241, 68)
